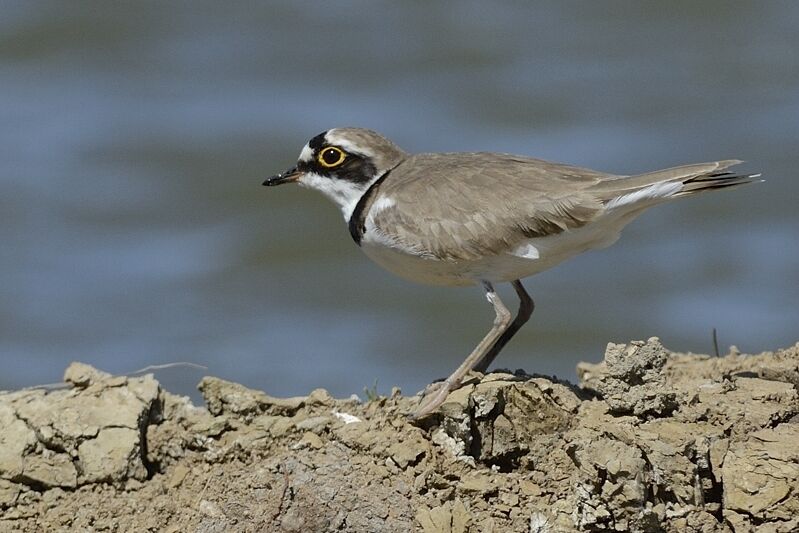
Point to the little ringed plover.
(481, 218)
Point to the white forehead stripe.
(332, 137)
(307, 154)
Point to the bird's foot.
(436, 393)
(432, 388)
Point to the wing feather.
(466, 206)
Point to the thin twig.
(164, 366)
(150, 368)
(205, 486)
(48, 386)
(283, 493)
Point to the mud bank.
(649, 441)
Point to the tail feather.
(716, 180)
(694, 179)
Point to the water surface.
(134, 140)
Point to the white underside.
(421, 268)
(526, 259)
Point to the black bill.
(288, 176)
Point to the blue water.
(133, 143)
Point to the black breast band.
(357, 223)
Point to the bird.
(481, 218)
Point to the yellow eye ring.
(331, 156)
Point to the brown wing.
(465, 206)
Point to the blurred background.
(134, 138)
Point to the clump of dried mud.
(649, 441)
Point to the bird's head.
(342, 163)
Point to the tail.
(671, 183)
(717, 179)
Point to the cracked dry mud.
(649, 441)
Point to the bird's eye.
(331, 157)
